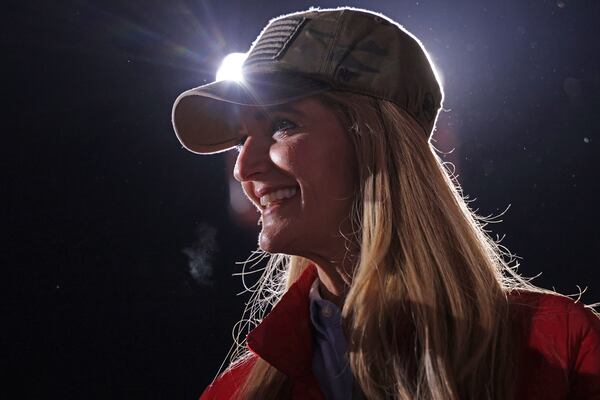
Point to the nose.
(252, 160)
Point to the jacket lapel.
(284, 338)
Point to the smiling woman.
(385, 283)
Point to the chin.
(268, 243)
(274, 243)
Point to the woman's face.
(297, 166)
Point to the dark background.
(104, 211)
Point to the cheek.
(285, 156)
(322, 168)
(330, 176)
(334, 166)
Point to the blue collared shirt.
(330, 361)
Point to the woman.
(385, 284)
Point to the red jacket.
(560, 357)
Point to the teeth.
(277, 195)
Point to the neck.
(335, 279)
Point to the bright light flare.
(231, 67)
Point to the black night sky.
(104, 211)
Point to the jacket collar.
(284, 338)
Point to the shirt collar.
(323, 313)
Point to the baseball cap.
(310, 52)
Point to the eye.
(282, 126)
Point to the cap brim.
(206, 118)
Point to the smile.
(277, 196)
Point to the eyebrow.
(265, 112)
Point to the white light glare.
(231, 67)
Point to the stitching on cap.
(336, 35)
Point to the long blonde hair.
(426, 315)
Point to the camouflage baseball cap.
(309, 52)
